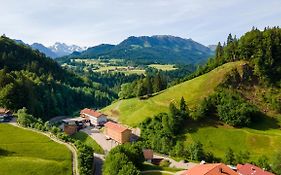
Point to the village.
(109, 134)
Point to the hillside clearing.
(31, 153)
(133, 111)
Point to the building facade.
(96, 118)
(117, 132)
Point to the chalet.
(96, 118)
(210, 169)
(117, 132)
(5, 115)
(249, 169)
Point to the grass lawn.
(164, 67)
(83, 137)
(218, 139)
(149, 166)
(133, 111)
(23, 152)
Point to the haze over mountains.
(157, 48)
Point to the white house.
(95, 117)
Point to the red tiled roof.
(91, 112)
(249, 169)
(210, 169)
(115, 126)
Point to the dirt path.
(75, 170)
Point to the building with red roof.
(95, 117)
(210, 169)
(249, 169)
(117, 132)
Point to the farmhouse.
(249, 169)
(117, 132)
(5, 115)
(96, 118)
(210, 169)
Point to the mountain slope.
(62, 49)
(48, 52)
(29, 79)
(133, 111)
(159, 48)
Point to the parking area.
(100, 138)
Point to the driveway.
(100, 138)
(175, 164)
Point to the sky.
(93, 22)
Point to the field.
(24, 152)
(164, 67)
(262, 138)
(133, 111)
(218, 139)
(83, 137)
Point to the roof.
(249, 169)
(210, 169)
(91, 112)
(4, 111)
(115, 126)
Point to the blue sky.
(92, 22)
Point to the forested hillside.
(154, 49)
(29, 79)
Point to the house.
(5, 115)
(249, 169)
(148, 154)
(117, 132)
(210, 169)
(96, 118)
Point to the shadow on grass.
(5, 152)
(264, 122)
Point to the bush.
(165, 163)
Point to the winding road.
(75, 170)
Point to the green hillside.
(133, 111)
(25, 152)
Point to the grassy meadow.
(133, 111)
(263, 137)
(164, 67)
(23, 152)
(86, 139)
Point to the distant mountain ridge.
(57, 50)
(157, 48)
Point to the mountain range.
(57, 50)
(153, 49)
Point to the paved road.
(100, 138)
(98, 162)
(73, 150)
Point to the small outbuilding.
(148, 154)
(117, 132)
(96, 118)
